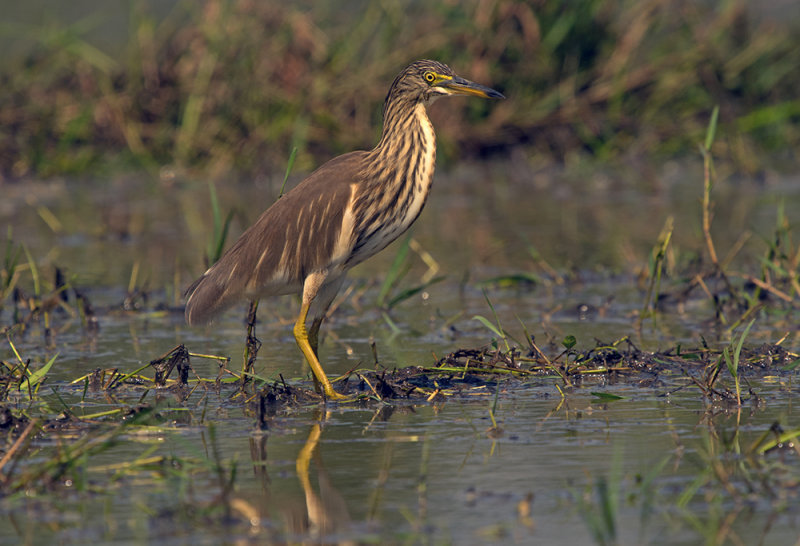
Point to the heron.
(344, 212)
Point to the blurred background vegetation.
(225, 86)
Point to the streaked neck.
(406, 151)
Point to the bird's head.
(424, 81)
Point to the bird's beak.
(459, 86)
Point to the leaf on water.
(569, 341)
(515, 279)
(606, 395)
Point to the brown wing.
(294, 237)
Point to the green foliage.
(223, 85)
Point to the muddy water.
(431, 472)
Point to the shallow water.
(431, 473)
(427, 472)
(597, 229)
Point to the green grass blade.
(729, 362)
(486, 322)
(289, 165)
(738, 349)
(35, 378)
(220, 228)
(791, 366)
(222, 237)
(497, 320)
(394, 327)
(712, 128)
(216, 219)
(405, 294)
(34, 272)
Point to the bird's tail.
(206, 298)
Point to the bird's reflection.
(325, 514)
(326, 510)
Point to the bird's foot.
(334, 396)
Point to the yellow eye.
(429, 77)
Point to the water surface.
(421, 472)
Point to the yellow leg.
(313, 340)
(310, 352)
(313, 335)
